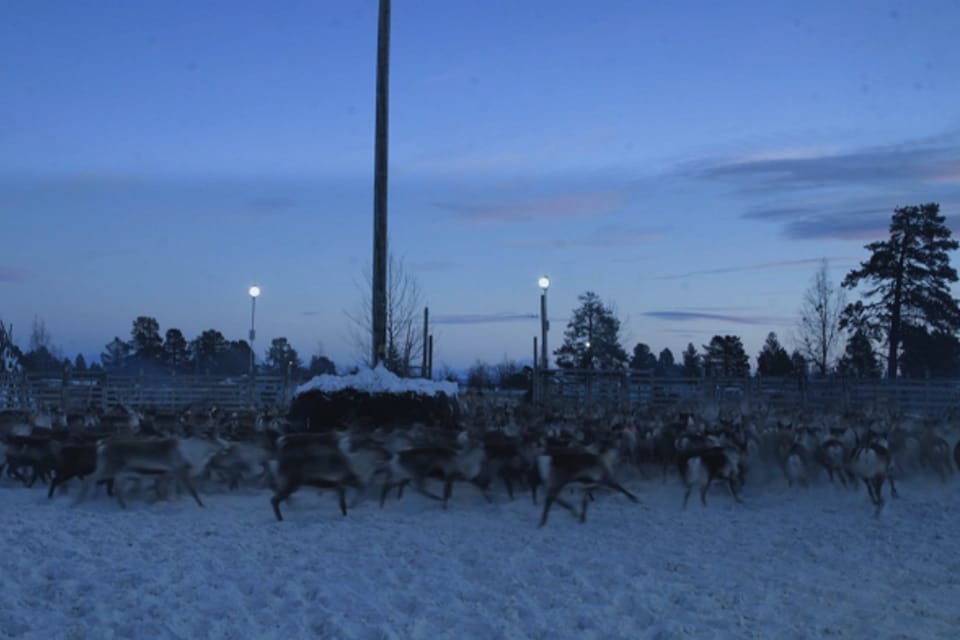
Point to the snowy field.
(787, 564)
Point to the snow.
(789, 563)
(377, 380)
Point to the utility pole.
(380, 188)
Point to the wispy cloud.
(311, 314)
(826, 194)
(607, 237)
(761, 266)
(929, 159)
(12, 274)
(481, 318)
(827, 221)
(593, 203)
(693, 316)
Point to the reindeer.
(935, 453)
(590, 471)
(704, 466)
(162, 458)
(324, 461)
(414, 466)
(873, 463)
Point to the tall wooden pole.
(380, 188)
(426, 337)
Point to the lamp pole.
(254, 293)
(544, 283)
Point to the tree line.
(905, 308)
(905, 315)
(149, 352)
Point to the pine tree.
(908, 278)
(692, 366)
(666, 366)
(146, 343)
(281, 357)
(592, 337)
(773, 359)
(725, 357)
(859, 359)
(643, 358)
(176, 351)
(116, 357)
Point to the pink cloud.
(543, 208)
(12, 274)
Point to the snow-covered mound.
(808, 563)
(378, 380)
(374, 397)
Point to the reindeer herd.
(562, 453)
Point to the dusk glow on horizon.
(691, 164)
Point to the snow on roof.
(377, 380)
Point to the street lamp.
(544, 283)
(254, 292)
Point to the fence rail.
(162, 392)
(634, 388)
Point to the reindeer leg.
(893, 489)
(548, 502)
(421, 489)
(185, 479)
(53, 485)
(506, 481)
(686, 496)
(733, 491)
(342, 498)
(383, 493)
(703, 491)
(286, 489)
(583, 507)
(447, 490)
(613, 484)
(118, 492)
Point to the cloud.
(12, 274)
(481, 318)
(608, 237)
(573, 205)
(931, 159)
(693, 316)
(828, 221)
(268, 207)
(847, 195)
(762, 266)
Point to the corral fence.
(79, 391)
(638, 388)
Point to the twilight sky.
(690, 162)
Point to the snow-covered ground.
(804, 563)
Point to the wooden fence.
(619, 388)
(78, 391)
(637, 388)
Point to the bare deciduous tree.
(818, 332)
(404, 320)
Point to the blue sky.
(689, 162)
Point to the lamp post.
(544, 283)
(254, 292)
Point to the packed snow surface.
(378, 380)
(786, 564)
